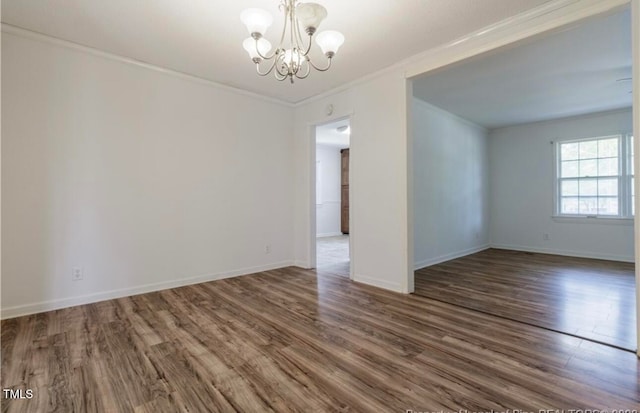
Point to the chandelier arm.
(284, 7)
(273, 64)
(279, 76)
(294, 22)
(284, 29)
(300, 41)
(309, 46)
(295, 47)
(293, 32)
(265, 57)
(292, 53)
(298, 37)
(321, 69)
(277, 64)
(306, 74)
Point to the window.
(595, 177)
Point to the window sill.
(581, 219)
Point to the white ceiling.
(570, 72)
(203, 37)
(329, 135)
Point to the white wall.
(382, 253)
(379, 108)
(144, 179)
(328, 207)
(378, 178)
(451, 185)
(522, 187)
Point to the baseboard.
(302, 264)
(597, 256)
(452, 256)
(42, 306)
(328, 234)
(378, 283)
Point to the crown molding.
(29, 34)
(541, 19)
(548, 16)
(545, 18)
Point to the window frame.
(624, 178)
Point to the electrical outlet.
(267, 249)
(77, 274)
(546, 237)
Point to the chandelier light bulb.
(330, 41)
(256, 20)
(249, 45)
(310, 15)
(292, 57)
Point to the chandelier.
(291, 58)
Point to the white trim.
(313, 209)
(329, 234)
(547, 17)
(312, 223)
(26, 309)
(619, 135)
(623, 177)
(335, 117)
(302, 264)
(451, 256)
(588, 220)
(551, 251)
(353, 139)
(28, 34)
(635, 46)
(318, 183)
(566, 253)
(396, 287)
(409, 279)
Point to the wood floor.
(288, 340)
(589, 298)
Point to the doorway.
(502, 236)
(332, 161)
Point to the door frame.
(529, 25)
(313, 258)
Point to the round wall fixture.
(329, 110)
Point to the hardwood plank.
(292, 340)
(594, 299)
